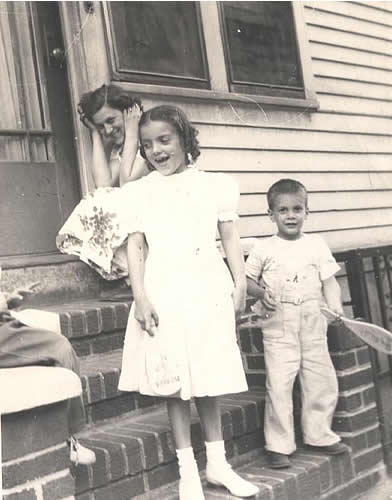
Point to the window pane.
(158, 39)
(12, 148)
(262, 47)
(20, 93)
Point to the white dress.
(186, 280)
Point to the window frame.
(132, 76)
(253, 88)
(219, 84)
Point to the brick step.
(312, 476)
(135, 453)
(99, 375)
(96, 325)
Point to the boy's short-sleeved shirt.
(275, 260)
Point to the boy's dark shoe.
(278, 460)
(332, 449)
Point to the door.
(39, 181)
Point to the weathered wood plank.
(314, 181)
(329, 19)
(326, 34)
(254, 138)
(287, 162)
(352, 72)
(353, 9)
(255, 115)
(346, 104)
(349, 55)
(256, 204)
(353, 88)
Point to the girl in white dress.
(92, 231)
(185, 299)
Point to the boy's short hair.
(285, 186)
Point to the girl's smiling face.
(110, 124)
(163, 147)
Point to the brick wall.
(35, 456)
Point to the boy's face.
(289, 213)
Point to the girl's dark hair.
(111, 95)
(285, 186)
(178, 119)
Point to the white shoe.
(226, 477)
(80, 454)
(190, 488)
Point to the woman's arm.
(231, 245)
(103, 173)
(333, 295)
(144, 310)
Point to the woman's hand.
(86, 122)
(146, 315)
(131, 121)
(239, 300)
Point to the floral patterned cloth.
(93, 233)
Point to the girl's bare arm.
(231, 245)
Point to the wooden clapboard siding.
(342, 152)
(251, 204)
(232, 137)
(287, 162)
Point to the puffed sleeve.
(131, 207)
(254, 263)
(228, 195)
(327, 264)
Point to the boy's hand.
(16, 297)
(336, 308)
(268, 301)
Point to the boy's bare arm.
(333, 295)
(254, 289)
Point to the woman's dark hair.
(177, 119)
(111, 95)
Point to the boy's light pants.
(295, 342)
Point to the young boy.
(292, 275)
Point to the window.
(24, 134)
(158, 42)
(261, 48)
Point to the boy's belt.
(297, 299)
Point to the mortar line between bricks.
(39, 492)
(353, 370)
(359, 431)
(356, 389)
(35, 454)
(368, 450)
(354, 413)
(140, 441)
(352, 481)
(37, 482)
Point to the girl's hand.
(239, 300)
(146, 315)
(86, 122)
(131, 120)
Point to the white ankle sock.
(215, 451)
(186, 462)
